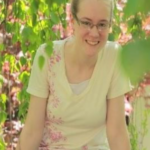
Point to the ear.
(71, 18)
(72, 21)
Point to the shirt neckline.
(68, 88)
(74, 84)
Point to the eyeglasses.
(101, 26)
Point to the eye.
(86, 23)
(102, 25)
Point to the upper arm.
(115, 115)
(36, 114)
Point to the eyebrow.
(103, 20)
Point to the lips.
(93, 43)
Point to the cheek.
(81, 34)
(104, 36)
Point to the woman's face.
(90, 38)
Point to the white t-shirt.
(80, 87)
(76, 121)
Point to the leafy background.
(25, 24)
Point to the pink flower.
(128, 108)
(68, 11)
(17, 125)
(69, 30)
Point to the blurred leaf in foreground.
(135, 59)
(135, 6)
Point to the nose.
(94, 32)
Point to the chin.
(93, 50)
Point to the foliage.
(138, 129)
(25, 24)
(135, 59)
(135, 56)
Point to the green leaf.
(23, 110)
(27, 32)
(41, 61)
(2, 144)
(23, 61)
(135, 59)
(24, 76)
(49, 2)
(3, 116)
(9, 27)
(19, 9)
(15, 38)
(141, 6)
(2, 47)
(54, 17)
(49, 48)
(35, 6)
(29, 39)
(3, 98)
(1, 78)
(34, 19)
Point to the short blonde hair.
(75, 4)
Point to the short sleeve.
(38, 82)
(120, 83)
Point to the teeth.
(92, 43)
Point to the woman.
(78, 97)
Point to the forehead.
(95, 9)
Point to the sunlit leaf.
(2, 144)
(24, 76)
(3, 98)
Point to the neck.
(76, 57)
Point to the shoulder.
(58, 44)
(111, 52)
(112, 49)
(112, 46)
(54, 46)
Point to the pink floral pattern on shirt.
(55, 58)
(51, 134)
(54, 98)
(85, 147)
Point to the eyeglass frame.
(91, 25)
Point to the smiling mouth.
(93, 43)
